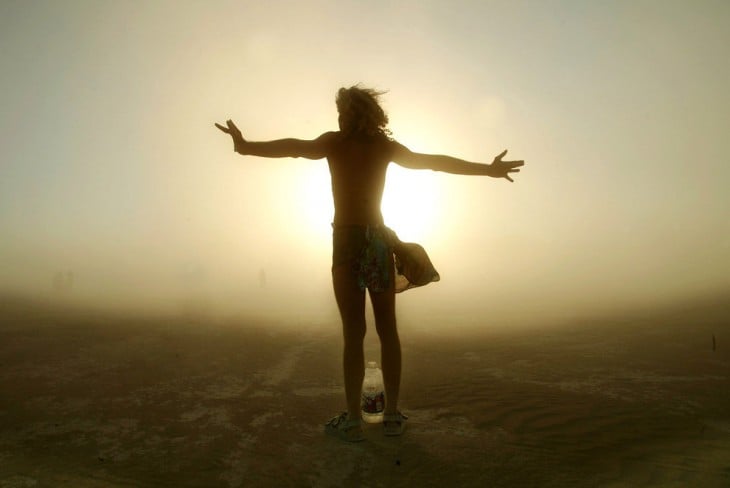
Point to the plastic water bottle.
(373, 394)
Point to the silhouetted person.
(363, 248)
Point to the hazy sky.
(110, 165)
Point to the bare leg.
(390, 353)
(351, 302)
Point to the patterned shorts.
(379, 259)
(368, 250)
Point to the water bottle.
(373, 394)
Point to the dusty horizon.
(113, 174)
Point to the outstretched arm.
(436, 162)
(281, 148)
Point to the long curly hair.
(360, 112)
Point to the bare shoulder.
(396, 147)
(399, 153)
(328, 136)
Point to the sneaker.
(394, 424)
(344, 428)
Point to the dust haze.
(116, 191)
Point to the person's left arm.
(448, 164)
(281, 148)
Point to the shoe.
(344, 428)
(394, 424)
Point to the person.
(363, 251)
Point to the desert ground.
(89, 399)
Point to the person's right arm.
(286, 148)
(280, 148)
(448, 164)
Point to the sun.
(316, 207)
(411, 203)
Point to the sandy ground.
(88, 399)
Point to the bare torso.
(357, 168)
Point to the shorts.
(368, 251)
(379, 260)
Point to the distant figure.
(363, 247)
(58, 282)
(63, 282)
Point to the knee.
(386, 328)
(354, 330)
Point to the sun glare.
(317, 209)
(410, 203)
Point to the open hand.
(232, 130)
(502, 169)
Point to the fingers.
(511, 171)
(233, 130)
(512, 164)
(222, 128)
(507, 166)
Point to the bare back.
(357, 168)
